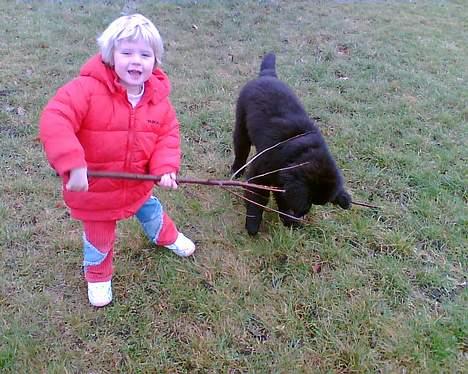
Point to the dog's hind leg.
(241, 142)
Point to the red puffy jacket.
(90, 123)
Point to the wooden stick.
(364, 205)
(210, 182)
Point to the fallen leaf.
(316, 268)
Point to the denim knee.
(150, 216)
(91, 255)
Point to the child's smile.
(133, 62)
(135, 74)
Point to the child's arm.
(166, 157)
(59, 122)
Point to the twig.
(304, 163)
(263, 206)
(266, 150)
(278, 170)
(286, 168)
(365, 205)
(210, 182)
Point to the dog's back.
(269, 100)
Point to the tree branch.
(210, 182)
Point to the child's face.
(133, 63)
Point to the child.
(116, 116)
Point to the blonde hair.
(131, 27)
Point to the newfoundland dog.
(269, 113)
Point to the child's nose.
(136, 59)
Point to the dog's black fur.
(268, 112)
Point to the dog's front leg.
(288, 214)
(254, 211)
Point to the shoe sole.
(100, 305)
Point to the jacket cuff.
(68, 162)
(163, 170)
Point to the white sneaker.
(182, 247)
(100, 293)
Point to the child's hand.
(78, 181)
(168, 181)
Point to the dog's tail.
(268, 69)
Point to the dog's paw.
(251, 231)
(252, 226)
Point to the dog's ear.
(343, 199)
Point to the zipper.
(128, 155)
(130, 139)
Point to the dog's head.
(309, 186)
(342, 199)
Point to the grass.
(354, 291)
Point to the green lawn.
(365, 290)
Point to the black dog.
(268, 113)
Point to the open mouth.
(134, 74)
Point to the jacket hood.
(158, 84)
